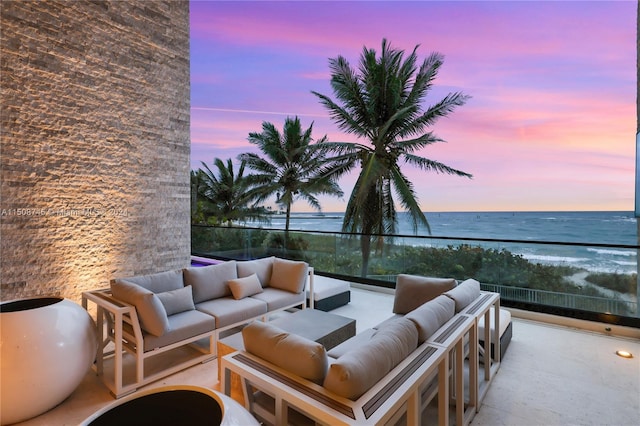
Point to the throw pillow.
(151, 313)
(245, 287)
(432, 315)
(289, 275)
(465, 293)
(300, 356)
(210, 282)
(413, 290)
(176, 301)
(260, 267)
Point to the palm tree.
(230, 197)
(381, 102)
(197, 201)
(292, 167)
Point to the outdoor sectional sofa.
(187, 309)
(385, 375)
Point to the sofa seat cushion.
(355, 372)
(324, 287)
(182, 326)
(464, 294)
(413, 290)
(228, 310)
(244, 287)
(160, 282)
(505, 320)
(176, 301)
(210, 282)
(289, 275)
(432, 315)
(352, 343)
(296, 354)
(151, 313)
(278, 299)
(261, 267)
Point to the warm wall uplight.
(624, 354)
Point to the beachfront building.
(95, 171)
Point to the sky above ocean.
(550, 124)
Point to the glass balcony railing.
(596, 279)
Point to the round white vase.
(181, 404)
(47, 345)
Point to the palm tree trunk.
(286, 228)
(365, 248)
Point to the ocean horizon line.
(321, 213)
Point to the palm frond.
(435, 166)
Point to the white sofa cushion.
(261, 267)
(324, 287)
(289, 275)
(245, 287)
(183, 325)
(160, 282)
(151, 313)
(228, 311)
(355, 372)
(465, 293)
(414, 290)
(210, 282)
(296, 354)
(176, 301)
(432, 315)
(505, 320)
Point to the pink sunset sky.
(550, 124)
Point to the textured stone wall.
(95, 144)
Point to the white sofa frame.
(398, 393)
(480, 308)
(383, 404)
(119, 332)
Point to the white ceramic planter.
(46, 347)
(182, 404)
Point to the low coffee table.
(323, 327)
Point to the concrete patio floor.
(550, 375)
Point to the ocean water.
(591, 228)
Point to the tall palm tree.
(292, 167)
(381, 102)
(230, 195)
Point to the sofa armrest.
(112, 309)
(111, 317)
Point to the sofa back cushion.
(430, 316)
(465, 293)
(356, 371)
(176, 301)
(261, 267)
(300, 356)
(289, 275)
(210, 282)
(157, 283)
(414, 290)
(151, 314)
(245, 287)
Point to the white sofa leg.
(117, 356)
(443, 392)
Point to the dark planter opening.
(26, 304)
(176, 407)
